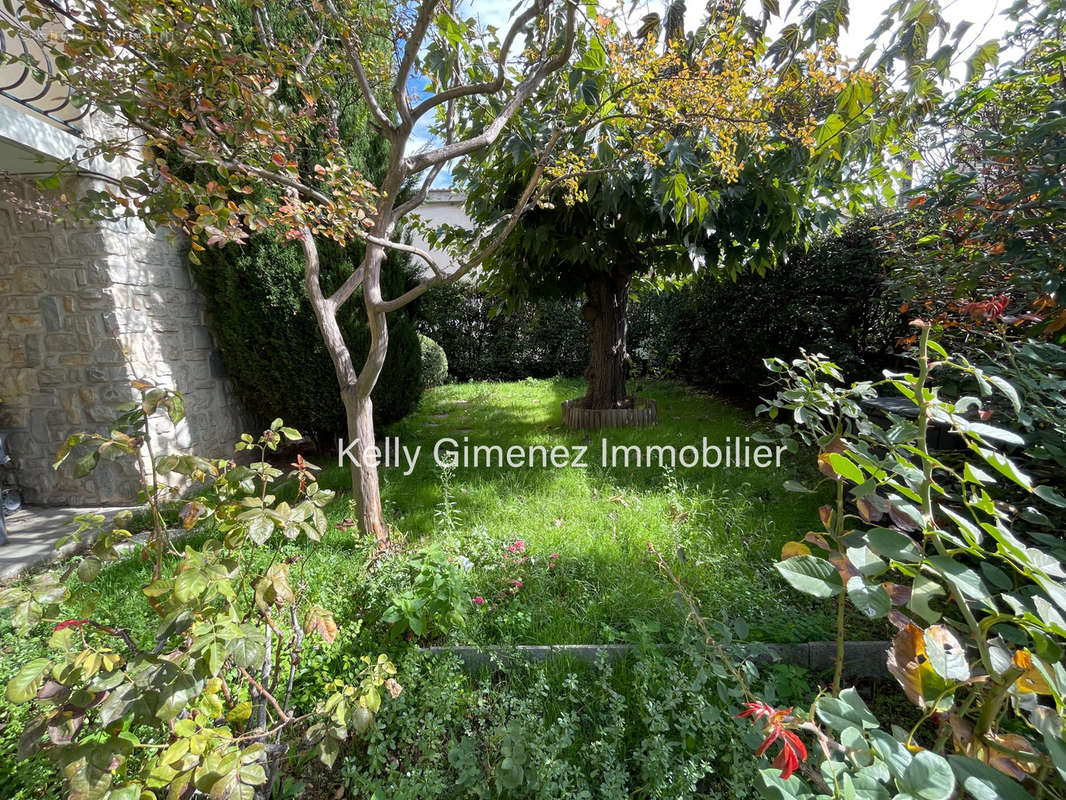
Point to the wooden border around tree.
(643, 414)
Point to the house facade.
(86, 309)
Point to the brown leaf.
(825, 514)
(905, 659)
(825, 467)
(321, 621)
(868, 509)
(817, 539)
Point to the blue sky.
(864, 17)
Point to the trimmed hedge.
(269, 340)
(715, 333)
(434, 363)
(539, 340)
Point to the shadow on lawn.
(527, 414)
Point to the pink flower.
(517, 584)
(479, 601)
(518, 546)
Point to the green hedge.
(269, 340)
(434, 363)
(715, 333)
(539, 340)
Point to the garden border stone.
(864, 659)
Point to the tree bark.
(355, 386)
(605, 312)
(366, 490)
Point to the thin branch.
(527, 198)
(264, 694)
(485, 87)
(523, 91)
(410, 54)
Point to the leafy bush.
(434, 363)
(975, 593)
(435, 600)
(270, 343)
(201, 699)
(655, 727)
(539, 340)
(715, 332)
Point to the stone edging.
(861, 659)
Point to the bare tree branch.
(485, 87)
(523, 92)
(524, 202)
(410, 54)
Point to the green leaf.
(870, 598)
(963, 579)
(929, 777)
(189, 585)
(810, 575)
(594, 58)
(983, 782)
(86, 464)
(846, 711)
(946, 654)
(844, 467)
(23, 687)
(1049, 495)
(978, 62)
(893, 545)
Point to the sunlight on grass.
(721, 528)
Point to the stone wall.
(82, 311)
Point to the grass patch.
(586, 530)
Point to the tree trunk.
(355, 386)
(605, 312)
(366, 490)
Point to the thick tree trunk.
(605, 313)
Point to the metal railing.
(34, 87)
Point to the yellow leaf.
(791, 549)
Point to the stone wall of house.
(83, 310)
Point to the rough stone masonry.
(73, 300)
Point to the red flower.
(793, 750)
(987, 309)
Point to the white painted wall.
(442, 207)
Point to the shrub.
(270, 343)
(539, 340)
(974, 591)
(654, 727)
(434, 363)
(200, 700)
(715, 333)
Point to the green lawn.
(720, 528)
